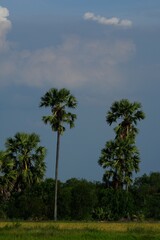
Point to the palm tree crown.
(128, 114)
(58, 101)
(23, 161)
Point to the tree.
(22, 162)
(59, 101)
(121, 159)
(128, 114)
(146, 194)
(113, 204)
(82, 198)
(120, 156)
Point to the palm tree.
(128, 114)
(58, 101)
(7, 176)
(121, 156)
(22, 161)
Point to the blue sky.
(102, 51)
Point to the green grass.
(79, 231)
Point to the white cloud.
(107, 21)
(5, 25)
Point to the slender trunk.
(56, 176)
(126, 187)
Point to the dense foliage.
(79, 199)
(22, 163)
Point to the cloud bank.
(76, 62)
(107, 21)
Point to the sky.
(102, 51)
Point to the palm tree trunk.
(56, 176)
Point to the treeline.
(79, 199)
(24, 194)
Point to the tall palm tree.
(59, 101)
(121, 156)
(23, 161)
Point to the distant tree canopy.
(79, 199)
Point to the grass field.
(78, 230)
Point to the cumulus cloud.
(5, 25)
(107, 21)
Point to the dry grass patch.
(105, 226)
(78, 231)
